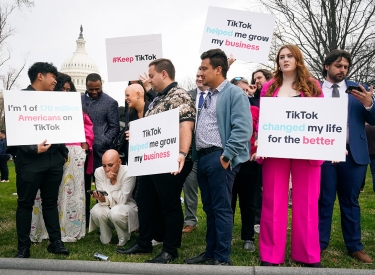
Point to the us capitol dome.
(79, 65)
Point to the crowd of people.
(218, 125)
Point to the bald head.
(135, 88)
(111, 161)
(135, 96)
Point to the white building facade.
(79, 65)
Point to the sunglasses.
(242, 79)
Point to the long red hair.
(303, 82)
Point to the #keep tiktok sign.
(129, 57)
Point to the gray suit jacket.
(193, 94)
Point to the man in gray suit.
(191, 184)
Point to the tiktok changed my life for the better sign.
(303, 128)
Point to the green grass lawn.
(192, 244)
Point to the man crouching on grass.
(116, 207)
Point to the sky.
(48, 32)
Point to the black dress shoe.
(134, 249)
(217, 262)
(200, 259)
(267, 264)
(57, 247)
(316, 265)
(23, 253)
(162, 258)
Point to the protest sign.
(32, 117)
(154, 144)
(247, 35)
(303, 128)
(128, 57)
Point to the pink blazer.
(263, 92)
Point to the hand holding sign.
(43, 147)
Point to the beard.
(336, 78)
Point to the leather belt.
(209, 150)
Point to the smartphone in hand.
(351, 87)
(104, 193)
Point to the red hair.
(303, 82)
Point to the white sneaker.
(257, 228)
(155, 243)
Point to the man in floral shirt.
(165, 189)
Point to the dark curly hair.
(267, 74)
(61, 80)
(41, 67)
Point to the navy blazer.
(357, 116)
(103, 112)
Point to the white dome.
(79, 65)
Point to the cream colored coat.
(119, 193)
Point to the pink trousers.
(274, 218)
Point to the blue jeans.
(216, 185)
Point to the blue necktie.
(201, 100)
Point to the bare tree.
(9, 74)
(319, 27)
(188, 83)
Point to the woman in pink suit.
(291, 79)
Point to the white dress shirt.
(327, 91)
(327, 88)
(198, 96)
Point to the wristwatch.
(184, 154)
(225, 159)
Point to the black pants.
(166, 190)
(4, 167)
(258, 192)
(244, 187)
(89, 178)
(44, 172)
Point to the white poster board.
(300, 128)
(128, 57)
(33, 116)
(154, 144)
(247, 35)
